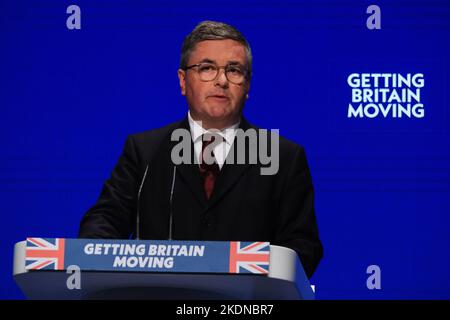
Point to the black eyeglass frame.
(241, 69)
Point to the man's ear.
(247, 88)
(182, 78)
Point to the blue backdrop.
(68, 99)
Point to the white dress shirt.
(221, 150)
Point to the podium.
(59, 268)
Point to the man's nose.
(221, 78)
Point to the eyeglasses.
(209, 71)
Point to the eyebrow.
(207, 61)
(235, 63)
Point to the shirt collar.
(197, 130)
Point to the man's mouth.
(218, 97)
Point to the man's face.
(216, 103)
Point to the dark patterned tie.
(209, 172)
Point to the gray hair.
(213, 30)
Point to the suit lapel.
(190, 173)
(230, 173)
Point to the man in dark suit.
(151, 195)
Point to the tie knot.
(207, 139)
(208, 159)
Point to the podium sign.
(148, 256)
(58, 268)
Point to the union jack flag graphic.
(249, 257)
(43, 253)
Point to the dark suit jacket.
(244, 205)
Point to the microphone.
(171, 204)
(138, 197)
